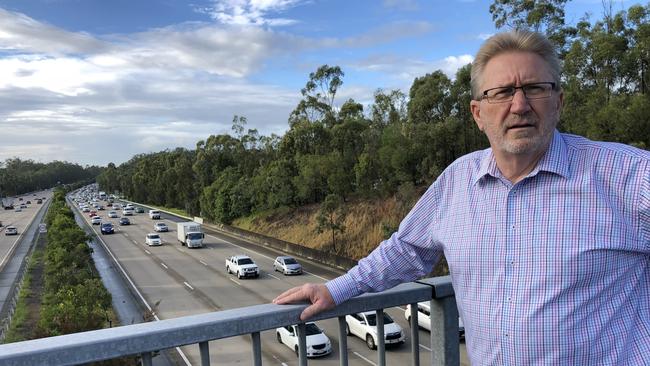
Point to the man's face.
(520, 126)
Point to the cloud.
(388, 33)
(409, 69)
(250, 12)
(24, 34)
(408, 5)
(484, 36)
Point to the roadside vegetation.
(21, 176)
(330, 180)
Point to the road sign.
(42, 228)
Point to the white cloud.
(408, 69)
(484, 36)
(409, 5)
(24, 34)
(251, 12)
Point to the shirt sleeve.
(408, 254)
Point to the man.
(547, 235)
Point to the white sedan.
(96, 220)
(160, 226)
(364, 326)
(113, 214)
(317, 342)
(153, 239)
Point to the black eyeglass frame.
(514, 91)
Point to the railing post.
(146, 359)
(444, 339)
(257, 349)
(343, 341)
(302, 344)
(205, 353)
(381, 337)
(415, 335)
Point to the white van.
(424, 318)
(154, 214)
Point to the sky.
(99, 81)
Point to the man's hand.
(317, 294)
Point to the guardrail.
(145, 338)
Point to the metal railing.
(145, 338)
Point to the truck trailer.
(190, 234)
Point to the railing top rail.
(145, 337)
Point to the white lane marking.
(235, 281)
(146, 251)
(425, 347)
(203, 263)
(163, 264)
(180, 250)
(135, 242)
(262, 255)
(270, 275)
(188, 285)
(126, 234)
(365, 359)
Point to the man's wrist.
(342, 288)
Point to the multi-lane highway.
(186, 281)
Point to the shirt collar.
(555, 160)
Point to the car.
(424, 318)
(364, 326)
(160, 226)
(11, 230)
(242, 266)
(116, 206)
(154, 214)
(113, 214)
(29, 202)
(107, 228)
(39, 201)
(287, 265)
(85, 209)
(100, 208)
(96, 220)
(22, 205)
(317, 342)
(92, 213)
(18, 209)
(139, 210)
(127, 211)
(125, 221)
(153, 239)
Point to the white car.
(96, 220)
(287, 265)
(127, 212)
(113, 214)
(424, 318)
(317, 342)
(153, 239)
(11, 230)
(160, 226)
(242, 266)
(364, 326)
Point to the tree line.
(345, 150)
(22, 176)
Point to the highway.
(186, 281)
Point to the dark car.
(39, 201)
(107, 228)
(139, 210)
(125, 221)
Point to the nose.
(519, 104)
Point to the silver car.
(287, 265)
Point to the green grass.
(20, 330)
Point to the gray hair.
(517, 40)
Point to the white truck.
(189, 233)
(242, 266)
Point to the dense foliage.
(74, 298)
(21, 176)
(399, 140)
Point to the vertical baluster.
(257, 349)
(381, 345)
(415, 335)
(205, 353)
(146, 359)
(343, 341)
(302, 344)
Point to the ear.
(475, 107)
(560, 102)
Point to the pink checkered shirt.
(553, 270)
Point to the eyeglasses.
(507, 93)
